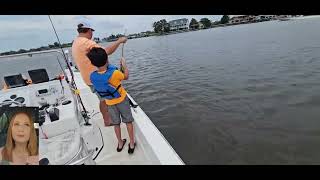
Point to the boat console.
(61, 137)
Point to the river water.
(245, 94)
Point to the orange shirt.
(80, 47)
(115, 81)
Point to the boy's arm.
(124, 66)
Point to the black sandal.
(130, 151)
(124, 142)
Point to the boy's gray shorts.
(122, 109)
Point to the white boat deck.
(151, 147)
(109, 155)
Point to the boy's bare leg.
(117, 130)
(131, 134)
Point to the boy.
(106, 81)
(81, 45)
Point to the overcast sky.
(25, 32)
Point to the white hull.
(152, 147)
(66, 138)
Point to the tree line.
(163, 26)
(42, 48)
(113, 37)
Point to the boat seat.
(38, 76)
(62, 148)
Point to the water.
(246, 94)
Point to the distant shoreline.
(68, 45)
(306, 17)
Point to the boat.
(284, 19)
(70, 126)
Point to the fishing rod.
(121, 68)
(65, 57)
(125, 31)
(73, 83)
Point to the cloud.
(23, 31)
(23, 24)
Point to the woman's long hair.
(10, 144)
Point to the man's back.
(80, 48)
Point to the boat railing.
(31, 53)
(83, 151)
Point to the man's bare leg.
(105, 113)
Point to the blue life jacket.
(101, 83)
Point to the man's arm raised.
(113, 47)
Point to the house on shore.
(132, 36)
(201, 25)
(240, 19)
(194, 26)
(179, 24)
(138, 35)
(268, 17)
(143, 34)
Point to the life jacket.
(101, 83)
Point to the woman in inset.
(21, 146)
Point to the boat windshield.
(30, 68)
